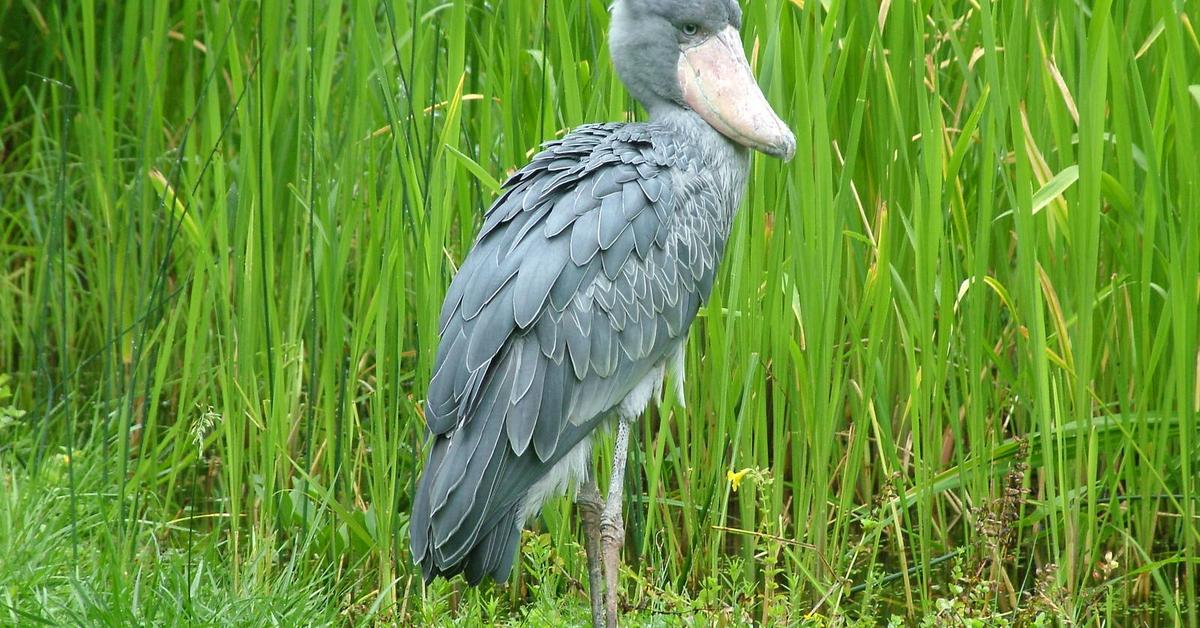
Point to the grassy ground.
(949, 370)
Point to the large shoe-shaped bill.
(717, 84)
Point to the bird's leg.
(612, 528)
(588, 501)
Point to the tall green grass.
(949, 369)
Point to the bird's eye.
(690, 30)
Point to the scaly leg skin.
(588, 501)
(612, 528)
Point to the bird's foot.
(612, 539)
(612, 527)
(590, 507)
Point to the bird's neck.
(713, 163)
(682, 120)
(688, 125)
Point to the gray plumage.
(585, 276)
(580, 289)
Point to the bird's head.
(688, 53)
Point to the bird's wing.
(577, 286)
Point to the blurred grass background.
(949, 370)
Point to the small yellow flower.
(735, 478)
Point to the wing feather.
(612, 219)
(614, 257)
(571, 296)
(540, 269)
(523, 415)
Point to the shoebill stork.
(576, 300)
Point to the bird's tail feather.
(493, 551)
